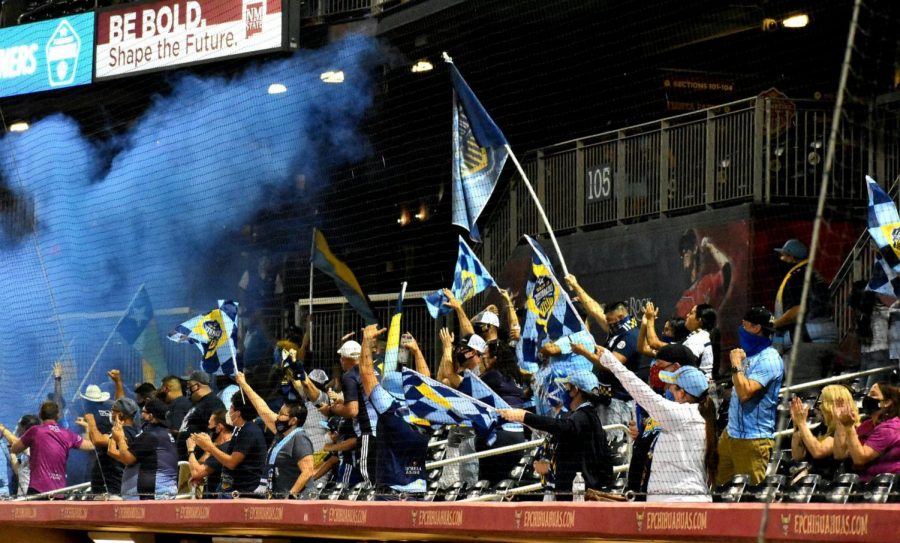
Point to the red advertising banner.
(134, 38)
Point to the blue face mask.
(666, 339)
(668, 395)
(751, 343)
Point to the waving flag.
(479, 153)
(392, 348)
(469, 278)
(884, 225)
(550, 314)
(441, 404)
(212, 333)
(473, 386)
(883, 280)
(138, 328)
(325, 261)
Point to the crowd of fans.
(698, 419)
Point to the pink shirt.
(884, 438)
(49, 444)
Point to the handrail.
(835, 379)
(57, 492)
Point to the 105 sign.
(598, 181)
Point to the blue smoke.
(161, 206)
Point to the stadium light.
(336, 76)
(19, 126)
(796, 21)
(422, 66)
(277, 88)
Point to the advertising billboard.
(148, 36)
(47, 55)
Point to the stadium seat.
(332, 492)
(435, 474)
(453, 493)
(354, 493)
(479, 488)
(733, 490)
(804, 490)
(772, 489)
(503, 486)
(842, 488)
(878, 490)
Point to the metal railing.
(763, 149)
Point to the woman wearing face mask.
(703, 337)
(581, 440)
(289, 461)
(817, 445)
(685, 456)
(874, 445)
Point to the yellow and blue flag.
(884, 225)
(479, 153)
(440, 404)
(325, 261)
(549, 315)
(212, 333)
(392, 348)
(469, 278)
(138, 328)
(472, 386)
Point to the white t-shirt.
(699, 344)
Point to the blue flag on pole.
(550, 314)
(138, 328)
(212, 333)
(472, 386)
(392, 348)
(479, 153)
(883, 280)
(884, 225)
(441, 404)
(325, 261)
(469, 278)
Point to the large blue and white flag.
(549, 315)
(472, 386)
(138, 328)
(212, 333)
(883, 280)
(479, 153)
(441, 404)
(884, 225)
(469, 278)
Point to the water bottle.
(578, 488)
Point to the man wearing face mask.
(151, 463)
(205, 403)
(756, 373)
(170, 392)
(204, 465)
(106, 477)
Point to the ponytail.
(707, 409)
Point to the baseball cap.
(690, 379)
(794, 248)
(350, 349)
(198, 377)
(474, 342)
(582, 380)
(678, 354)
(157, 408)
(487, 317)
(126, 406)
(318, 376)
(761, 316)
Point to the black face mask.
(213, 433)
(870, 404)
(281, 426)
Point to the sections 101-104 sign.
(47, 55)
(134, 38)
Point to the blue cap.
(794, 248)
(690, 379)
(582, 380)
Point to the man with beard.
(710, 288)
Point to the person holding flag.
(213, 334)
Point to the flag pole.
(312, 251)
(105, 343)
(540, 209)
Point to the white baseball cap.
(487, 317)
(476, 343)
(350, 349)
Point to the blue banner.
(47, 55)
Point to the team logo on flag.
(469, 284)
(545, 295)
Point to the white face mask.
(228, 418)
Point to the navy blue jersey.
(402, 448)
(624, 343)
(351, 385)
(246, 476)
(157, 463)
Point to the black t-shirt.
(505, 387)
(351, 384)
(246, 477)
(213, 479)
(157, 463)
(819, 304)
(177, 410)
(197, 420)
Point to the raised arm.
(262, 409)
(116, 377)
(421, 365)
(465, 325)
(512, 319)
(653, 343)
(57, 385)
(803, 441)
(445, 371)
(860, 454)
(593, 308)
(366, 366)
(117, 448)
